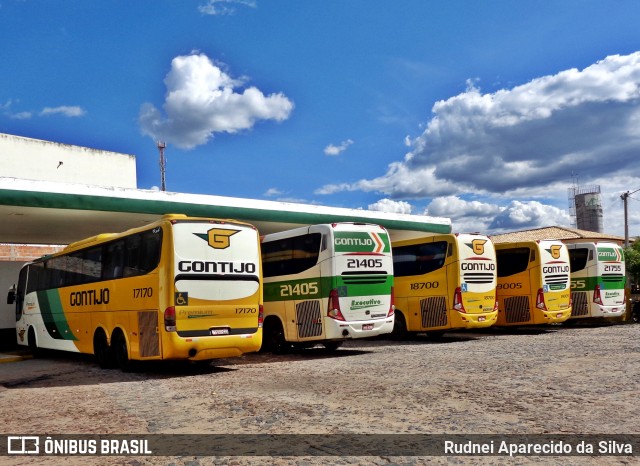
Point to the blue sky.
(485, 112)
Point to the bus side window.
(512, 261)
(578, 258)
(20, 291)
(113, 260)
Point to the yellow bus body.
(457, 288)
(180, 309)
(534, 284)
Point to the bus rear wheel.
(332, 345)
(120, 352)
(273, 340)
(399, 331)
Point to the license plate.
(367, 326)
(219, 331)
(481, 318)
(559, 314)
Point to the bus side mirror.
(11, 296)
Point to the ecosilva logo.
(218, 238)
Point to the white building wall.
(34, 159)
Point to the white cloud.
(492, 218)
(272, 192)
(526, 215)
(528, 136)
(223, 7)
(337, 150)
(202, 100)
(21, 115)
(65, 110)
(388, 205)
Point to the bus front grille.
(358, 278)
(434, 312)
(309, 319)
(580, 303)
(478, 277)
(516, 309)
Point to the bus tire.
(273, 340)
(33, 344)
(399, 331)
(332, 345)
(635, 315)
(120, 352)
(102, 351)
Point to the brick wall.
(26, 252)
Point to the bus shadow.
(62, 369)
(424, 339)
(291, 355)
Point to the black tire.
(273, 337)
(399, 331)
(33, 344)
(332, 345)
(120, 352)
(102, 351)
(635, 315)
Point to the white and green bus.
(598, 279)
(326, 284)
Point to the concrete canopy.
(40, 212)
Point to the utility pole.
(163, 166)
(625, 197)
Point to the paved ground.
(550, 381)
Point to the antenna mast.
(163, 165)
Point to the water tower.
(585, 208)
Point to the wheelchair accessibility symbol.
(182, 299)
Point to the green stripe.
(53, 315)
(160, 207)
(319, 288)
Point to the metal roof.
(42, 212)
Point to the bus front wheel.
(102, 351)
(635, 315)
(33, 344)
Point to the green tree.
(632, 261)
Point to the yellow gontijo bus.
(534, 285)
(444, 282)
(179, 288)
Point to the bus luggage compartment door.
(308, 319)
(148, 333)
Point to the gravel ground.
(552, 380)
